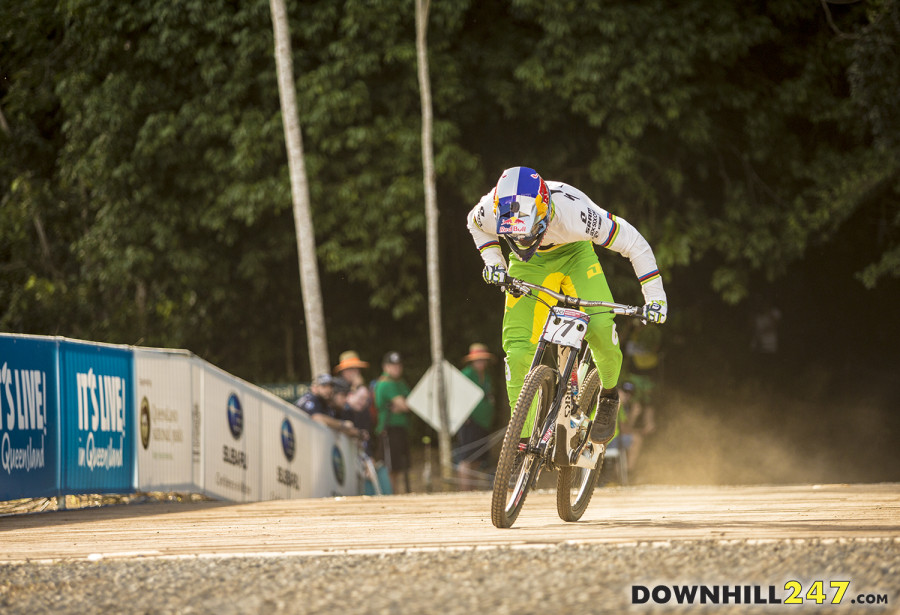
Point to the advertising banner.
(348, 450)
(79, 417)
(197, 462)
(334, 462)
(164, 420)
(29, 418)
(96, 411)
(231, 437)
(286, 441)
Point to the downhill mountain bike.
(551, 422)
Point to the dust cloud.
(744, 441)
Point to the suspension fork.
(562, 389)
(538, 354)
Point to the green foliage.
(874, 75)
(721, 128)
(144, 192)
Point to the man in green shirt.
(474, 432)
(391, 392)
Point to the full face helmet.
(522, 208)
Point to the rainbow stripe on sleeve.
(487, 245)
(613, 232)
(647, 277)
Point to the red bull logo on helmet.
(513, 226)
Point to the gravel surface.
(559, 579)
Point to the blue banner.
(96, 385)
(29, 418)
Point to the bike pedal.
(587, 449)
(575, 442)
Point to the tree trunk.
(431, 217)
(306, 241)
(3, 125)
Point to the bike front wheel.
(517, 468)
(574, 485)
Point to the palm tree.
(431, 217)
(306, 241)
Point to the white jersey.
(574, 217)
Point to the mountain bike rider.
(550, 228)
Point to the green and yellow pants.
(572, 269)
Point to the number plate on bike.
(565, 327)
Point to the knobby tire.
(506, 502)
(572, 506)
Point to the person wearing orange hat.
(474, 432)
(350, 368)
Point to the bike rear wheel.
(574, 485)
(516, 469)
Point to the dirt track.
(397, 523)
(440, 554)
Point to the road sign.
(462, 397)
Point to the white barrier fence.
(180, 422)
(203, 429)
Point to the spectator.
(475, 431)
(637, 421)
(765, 330)
(339, 397)
(350, 367)
(317, 402)
(643, 350)
(643, 363)
(316, 399)
(391, 392)
(356, 410)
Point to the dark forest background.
(144, 193)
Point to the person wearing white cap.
(317, 403)
(391, 392)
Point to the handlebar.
(567, 301)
